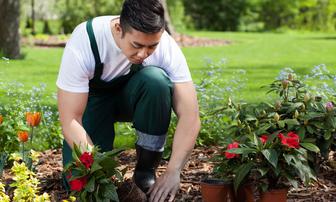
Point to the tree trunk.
(169, 26)
(9, 28)
(33, 17)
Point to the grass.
(262, 55)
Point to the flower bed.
(49, 172)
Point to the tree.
(169, 26)
(9, 28)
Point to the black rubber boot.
(147, 162)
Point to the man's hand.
(167, 184)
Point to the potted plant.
(276, 162)
(265, 132)
(226, 165)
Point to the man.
(128, 68)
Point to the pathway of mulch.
(182, 40)
(198, 168)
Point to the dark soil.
(198, 168)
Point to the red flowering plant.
(226, 163)
(275, 160)
(93, 175)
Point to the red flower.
(78, 184)
(264, 138)
(231, 146)
(86, 159)
(291, 141)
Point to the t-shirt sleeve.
(74, 74)
(172, 60)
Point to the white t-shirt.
(78, 63)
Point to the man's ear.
(118, 29)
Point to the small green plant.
(3, 196)
(26, 184)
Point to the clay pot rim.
(213, 181)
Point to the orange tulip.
(33, 119)
(1, 119)
(23, 136)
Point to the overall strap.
(99, 66)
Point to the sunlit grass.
(261, 55)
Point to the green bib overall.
(143, 96)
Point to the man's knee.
(155, 80)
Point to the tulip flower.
(1, 119)
(23, 136)
(33, 118)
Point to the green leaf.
(113, 152)
(110, 192)
(310, 147)
(292, 122)
(95, 166)
(263, 171)
(257, 141)
(288, 158)
(90, 185)
(271, 155)
(77, 151)
(242, 150)
(281, 124)
(310, 130)
(263, 129)
(242, 171)
(327, 135)
(302, 132)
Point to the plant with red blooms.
(92, 175)
(226, 163)
(274, 160)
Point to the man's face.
(137, 46)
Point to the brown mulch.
(198, 168)
(182, 40)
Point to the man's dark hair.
(146, 16)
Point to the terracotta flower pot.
(244, 194)
(214, 190)
(275, 195)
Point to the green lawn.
(262, 55)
